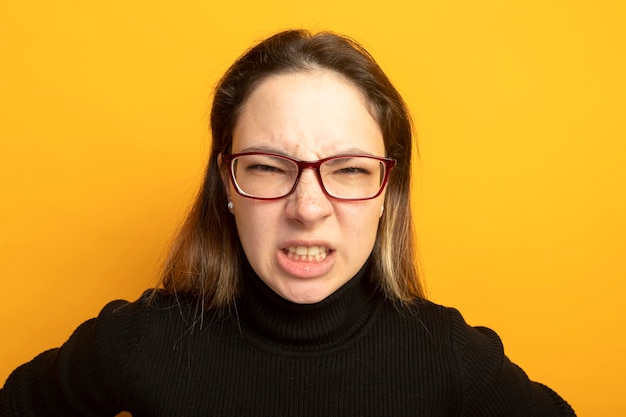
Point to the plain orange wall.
(520, 189)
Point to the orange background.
(520, 190)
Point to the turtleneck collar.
(277, 323)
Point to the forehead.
(316, 113)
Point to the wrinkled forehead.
(308, 115)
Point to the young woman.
(291, 289)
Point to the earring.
(382, 210)
(231, 206)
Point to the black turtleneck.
(352, 354)
(278, 324)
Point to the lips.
(307, 253)
(305, 260)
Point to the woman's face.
(308, 116)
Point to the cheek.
(364, 222)
(256, 224)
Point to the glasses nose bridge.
(315, 166)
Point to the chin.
(305, 295)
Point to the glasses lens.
(355, 177)
(264, 176)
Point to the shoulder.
(465, 340)
(443, 332)
(439, 317)
(153, 308)
(115, 332)
(432, 317)
(125, 331)
(124, 324)
(448, 327)
(489, 383)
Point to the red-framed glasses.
(269, 176)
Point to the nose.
(309, 203)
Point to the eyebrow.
(269, 149)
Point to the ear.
(224, 175)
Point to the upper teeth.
(310, 252)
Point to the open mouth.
(307, 253)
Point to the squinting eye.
(352, 171)
(263, 168)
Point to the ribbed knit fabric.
(353, 354)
